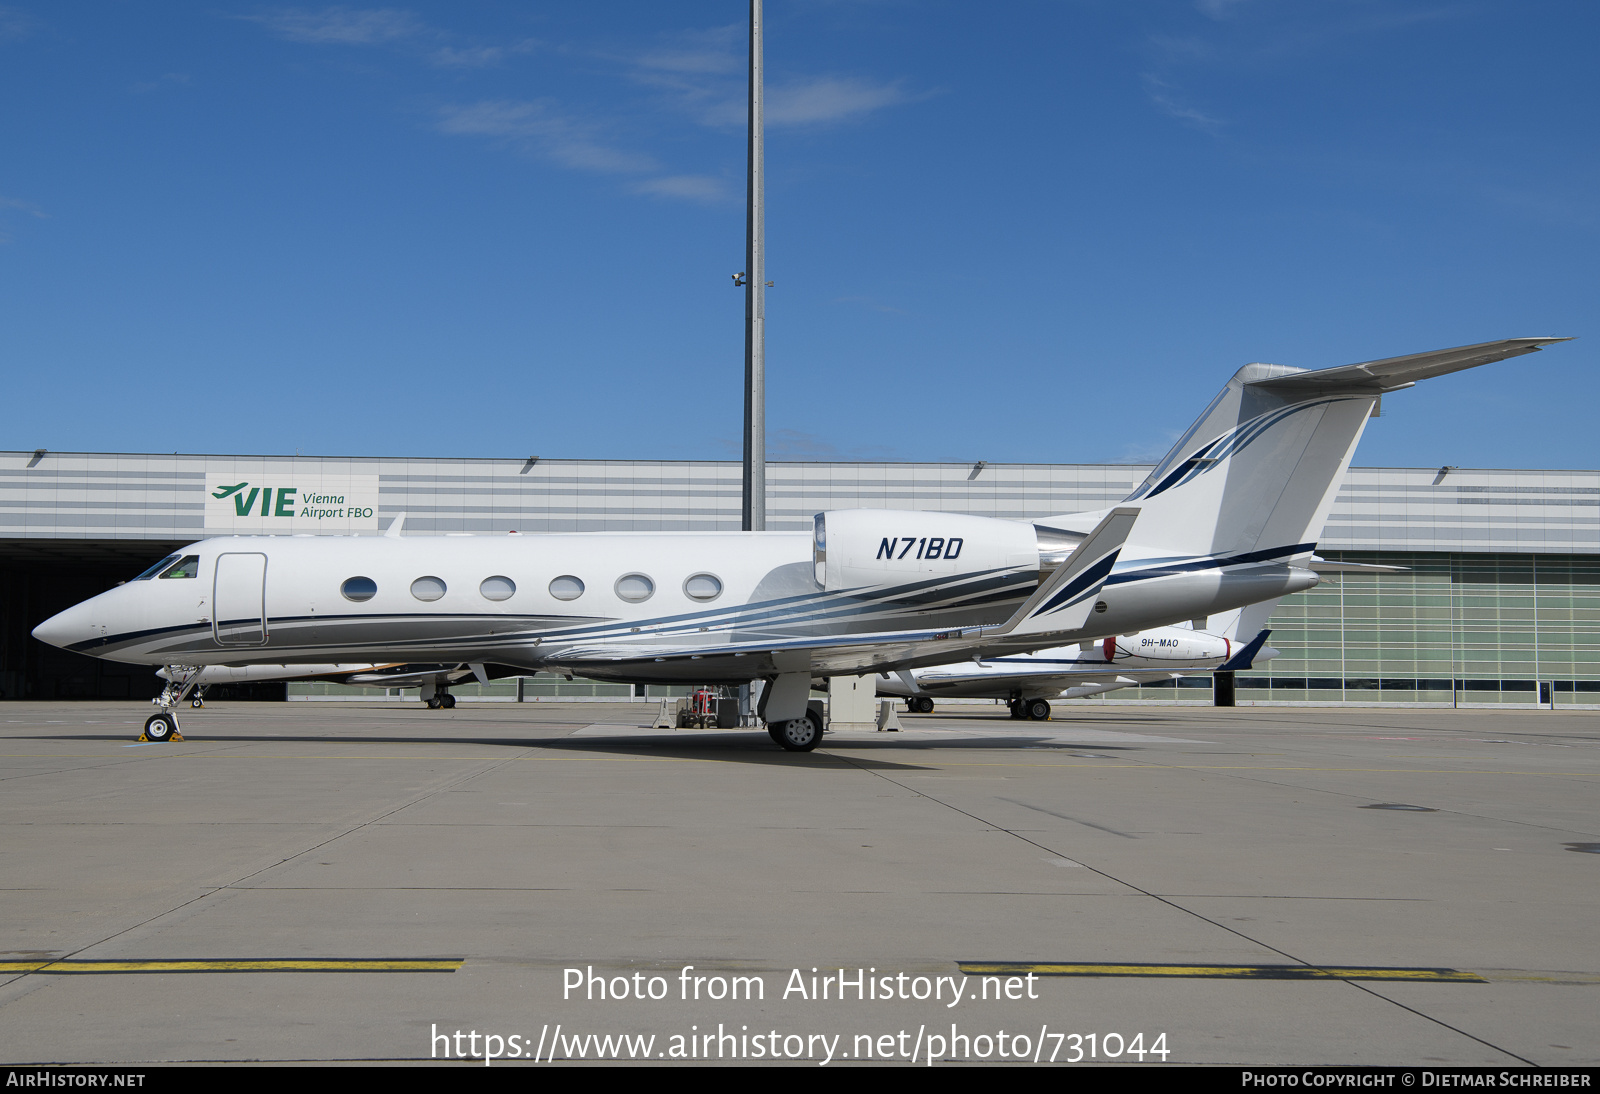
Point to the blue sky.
(1028, 231)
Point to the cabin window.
(703, 587)
(359, 589)
(635, 587)
(497, 588)
(157, 568)
(428, 588)
(566, 587)
(187, 566)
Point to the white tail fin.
(1259, 470)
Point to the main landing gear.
(441, 699)
(919, 704)
(1033, 710)
(797, 734)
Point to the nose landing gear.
(160, 728)
(163, 726)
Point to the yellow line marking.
(305, 964)
(1223, 972)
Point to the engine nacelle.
(853, 548)
(1167, 644)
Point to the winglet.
(393, 531)
(1064, 602)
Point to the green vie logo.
(313, 506)
(243, 503)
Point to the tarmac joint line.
(1223, 972)
(267, 964)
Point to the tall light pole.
(755, 305)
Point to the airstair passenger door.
(239, 600)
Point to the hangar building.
(1500, 604)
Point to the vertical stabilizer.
(1259, 470)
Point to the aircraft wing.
(413, 676)
(1059, 609)
(1394, 373)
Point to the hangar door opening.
(239, 600)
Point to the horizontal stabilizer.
(1323, 566)
(1062, 604)
(1246, 657)
(1393, 373)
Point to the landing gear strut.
(163, 726)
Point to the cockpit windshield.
(187, 566)
(157, 568)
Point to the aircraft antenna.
(755, 304)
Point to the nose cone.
(67, 629)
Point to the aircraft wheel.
(435, 703)
(924, 705)
(197, 702)
(1016, 709)
(800, 734)
(448, 701)
(1038, 710)
(161, 727)
(772, 731)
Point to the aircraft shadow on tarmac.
(738, 747)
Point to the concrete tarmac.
(1254, 886)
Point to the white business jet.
(1028, 681)
(1228, 518)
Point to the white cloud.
(702, 73)
(479, 56)
(1164, 96)
(539, 127)
(1219, 9)
(718, 51)
(26, 206)
(340, 25)
(15, 24)
(829, 99)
